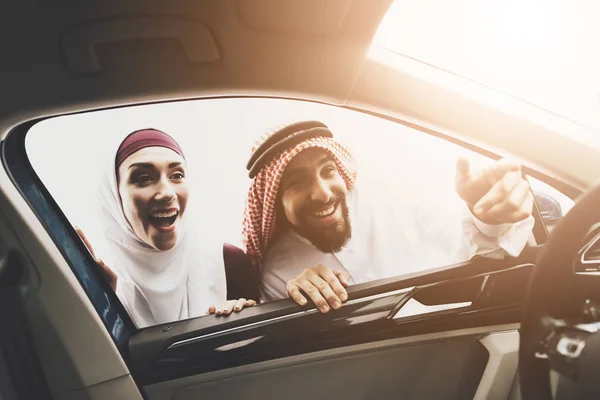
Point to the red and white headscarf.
(260, 214)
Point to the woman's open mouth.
(164, 220)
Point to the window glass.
(553, 204)
(157, 209)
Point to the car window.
(162, 227)
(552, 203)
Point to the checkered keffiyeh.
(260, 215)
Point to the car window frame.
(110, 310)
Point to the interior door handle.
(79, 43)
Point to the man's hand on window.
(324, 286)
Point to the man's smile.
(324, 216)
(324, 212)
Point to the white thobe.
(395, 238)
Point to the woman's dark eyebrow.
(150, 165)
(141, 165)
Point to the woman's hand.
(231, 305)
(110, 275)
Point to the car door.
(449, 332)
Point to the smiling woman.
(152, 187)
(164, 273)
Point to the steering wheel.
(560, 329)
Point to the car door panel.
(199, 353)
(403, 367)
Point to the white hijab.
(156, 286)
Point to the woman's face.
(154, 193)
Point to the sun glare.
(542, 51)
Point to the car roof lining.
(311, 50)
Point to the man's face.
(313, 199)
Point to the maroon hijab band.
(145, 138)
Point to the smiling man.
(313, 229)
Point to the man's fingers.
(250, 303)
(293, 291)
(499, 169)
(313, 293)
(528, 203)
(515, 208)
(211, 310)
(512, 203)
(344, 278)
(332, 283)
(327, 291)
(498, 193)
(463, 168)
(322, 285)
